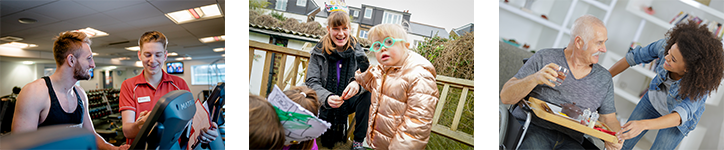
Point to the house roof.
(427, 30)
(404, 13)
(462, 30)
(277, 31)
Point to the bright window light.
(28, 62)
(195, 14)
(133, 48)
(221, 49)
(212, 39)
(139, 64)
(92, 32)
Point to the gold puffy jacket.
(403, 103)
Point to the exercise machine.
(166, 123)
(51, 137)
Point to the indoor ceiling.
(123, 20)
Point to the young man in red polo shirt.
(140, 93)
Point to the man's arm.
(130, 126)
(516, 89)
(88, 122)
(28, 108)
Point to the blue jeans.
(541, 138)
(667, 138)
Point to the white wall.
(412, 38)
(196, 89)
(258, 37)
(15, 74)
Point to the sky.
(440, 13)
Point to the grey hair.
(583, 27)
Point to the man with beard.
(57, 99)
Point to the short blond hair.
(382, 31)
(151, 37)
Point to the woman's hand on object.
(547, 74)
(351, 90)
(632, 129)
(334, 101)
(210, 134)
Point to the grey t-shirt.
(594, 91)
(658, 97)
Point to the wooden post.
(251, 60)
(282, 66)
(265, 74)
(459, 111)
(440, 104)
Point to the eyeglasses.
(388, 42)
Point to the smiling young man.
(57, 99)
(140, 93)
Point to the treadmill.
(167, 121)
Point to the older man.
(587, 84)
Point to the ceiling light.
(27, 20)
(11, 38)
(139, 64)
(234, 55)
(187, 58)
(221, 49)
(133, 48)
(92, 32)
(111, 67)
(195, 14)
(19, 45)
(124, 58)
(179, 58)
(224, 38)
(94, 54)
(28, 62)
(173, 54)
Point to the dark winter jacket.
(318, 71)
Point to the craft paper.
(311, 129)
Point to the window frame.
(302, 4)
(363, 32)
(195, 75)
(370, 13)
(356, 13)
(281, 5)
(392, 18)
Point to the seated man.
(57, 99)
(588, 84)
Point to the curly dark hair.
(703, 56)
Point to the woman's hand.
(334, 101)
(632, 129)
(351, 90)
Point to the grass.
(441, 142)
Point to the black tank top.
(56, 114)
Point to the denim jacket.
(689, 111)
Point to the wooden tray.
(537, 108)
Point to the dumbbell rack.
(102, 102)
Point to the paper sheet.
(318, 126)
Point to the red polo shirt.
(137, 95)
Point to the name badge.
(144, 99)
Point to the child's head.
(306, 98)
(389, 43)
(265, 130)
(337, 38)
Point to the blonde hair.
(265, 129)
(68, 42)
(382, 31)
(337, 18)
(309, 101)
(153, 36)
